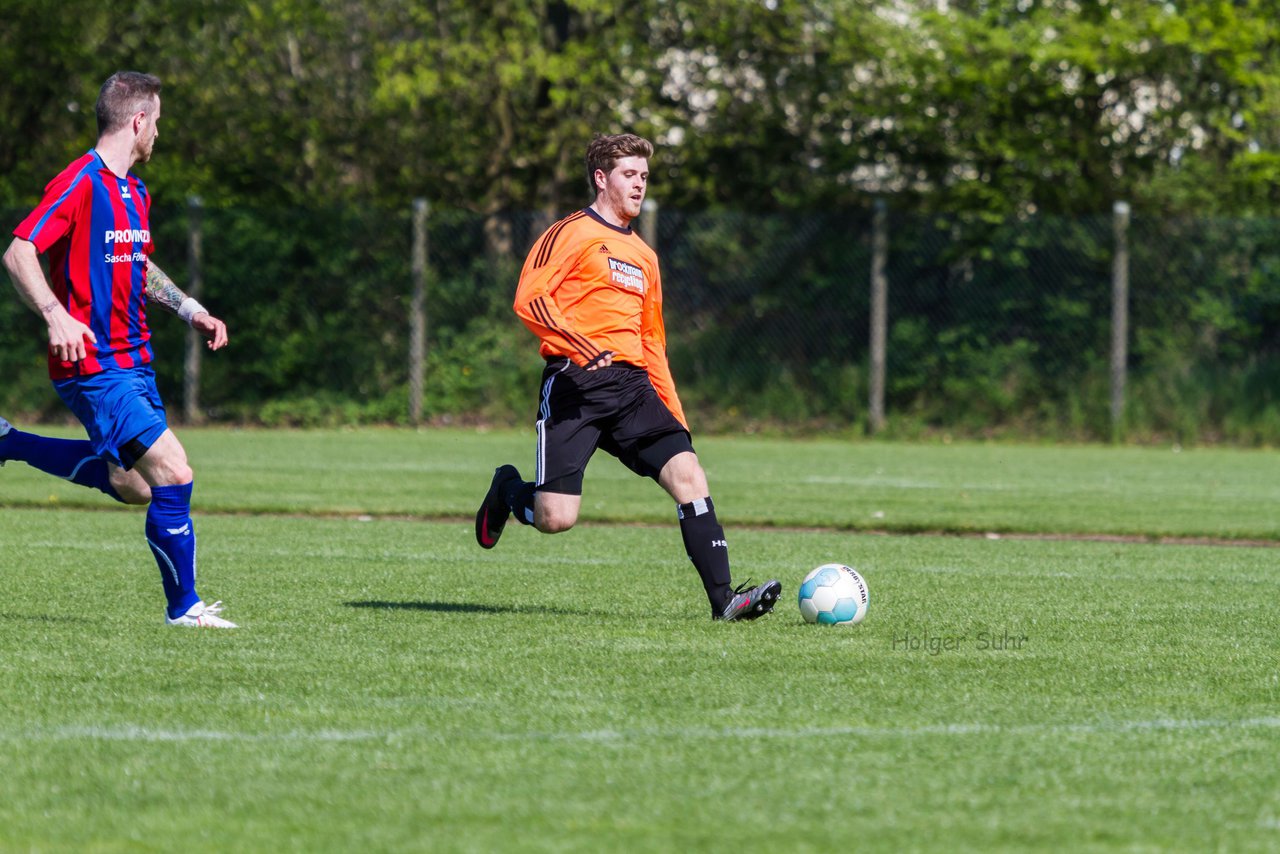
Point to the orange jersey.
(588, 286)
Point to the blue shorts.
(120, 410)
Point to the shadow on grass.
(468, 608)
(9, 617)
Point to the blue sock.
(172, 538)
(69, 459)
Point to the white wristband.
(189, 309)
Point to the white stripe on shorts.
(544, 412)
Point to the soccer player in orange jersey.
(591, 292)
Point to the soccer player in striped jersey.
(94, 225)
(591, 292)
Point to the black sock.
(705, 544)
(519, 497)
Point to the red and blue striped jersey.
(95, 228)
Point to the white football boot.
(202, 616)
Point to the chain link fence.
(991, 328)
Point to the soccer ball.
(833, 594)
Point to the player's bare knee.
(554, 521)
(694, 480)
(176, 473)
(556, 524)
(165, 462)
(684, 478)
(555, 512)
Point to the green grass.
(396, 688)
(1151, 492)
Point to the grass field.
(394, 687)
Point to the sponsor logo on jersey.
(128, 235)
(124, 259)
(627, 275)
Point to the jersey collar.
(102, 166)
(591, 213)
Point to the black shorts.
(614, 408)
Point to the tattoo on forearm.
(48, 307)
(162, 289)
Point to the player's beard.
(621, 203)
(144, 151)
(627, 206)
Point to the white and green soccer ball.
(834, 595)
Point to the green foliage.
(1001, 133)
(981, 109)
(994, 329)
(487, 371)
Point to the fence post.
(195, 284)
(418, 311)
(1119, 317)
(879, 312)
(649, 223)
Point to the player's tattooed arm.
(161, 289)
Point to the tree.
(992, 108)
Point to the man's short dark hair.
(605, 151)
(124, 93)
